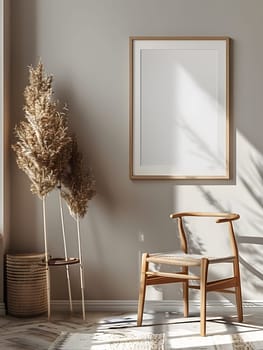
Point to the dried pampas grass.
(79, 186)
(46, 151)
(43, 145)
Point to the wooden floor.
(37, 333)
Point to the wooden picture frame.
(179, 107)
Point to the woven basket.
(26, 284)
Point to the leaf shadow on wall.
(202, 150)
(249, 243)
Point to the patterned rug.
(180, 333)
(108, 341)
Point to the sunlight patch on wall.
(203, 136)
(245, 198)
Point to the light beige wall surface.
(84, 44)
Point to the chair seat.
(182, 259)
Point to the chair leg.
(203, 281)
(238, 292)
(141, 301)
(186, 293)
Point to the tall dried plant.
(43, 143)
(47, 153)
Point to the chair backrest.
(220, 218)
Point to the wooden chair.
(185, 261)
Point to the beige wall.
(84, 43)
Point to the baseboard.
(96, 305)
(150, 305)
(2, 309)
